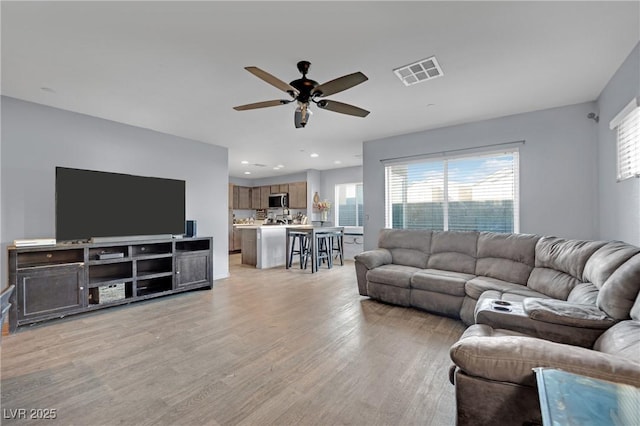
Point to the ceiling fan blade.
(264, 104)
(274, 81)
(339, 84)
(342, 108)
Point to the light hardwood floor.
(264, 347)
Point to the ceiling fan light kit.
(305, 91)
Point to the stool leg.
(293, 246)
(303, 251)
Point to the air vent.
(417, 72)
(259, 165)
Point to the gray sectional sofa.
(522, 295)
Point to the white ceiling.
(177, 67)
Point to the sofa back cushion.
(507, 257)
(620, 291)
(408, 247)
(584, 293)
(560, 264)
(635, 309)
(623, 340)
(453, 251)
(606, 260)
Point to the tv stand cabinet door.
(49, 292)
(193, 268)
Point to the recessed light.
(337, 162)
(314, 155)
(280, 166)
(247, 173)
(276, 168)
(244, 162)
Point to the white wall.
(37, 138)
(619, 201)
(558, 167)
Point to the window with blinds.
(627, 125)
(461, 193)
(349, 208)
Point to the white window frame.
(627, 126)
(446, 158)
(336, 211)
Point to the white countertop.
(254, 226)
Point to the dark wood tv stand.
(65, 279)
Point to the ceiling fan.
(304, 91)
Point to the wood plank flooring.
(264, 347)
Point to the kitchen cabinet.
(256, 198)
(260, 197)
(244, 198)
(264, 196)
(234, 239)
(279, 189)
(231, 194)
(298, 195)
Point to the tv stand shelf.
(56, 281)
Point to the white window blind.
(474, 192)
(627, 125)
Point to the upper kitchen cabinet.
(232, 201)
(244, 198)
(297, 195)
(260, 197)
(279, 189)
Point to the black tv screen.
(100, 204)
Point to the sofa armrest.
(366, 261)
(374, 258)
(511, 358)
(565, 313)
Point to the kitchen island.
(263, 246)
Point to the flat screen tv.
(91, 204)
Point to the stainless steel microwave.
(279, 200)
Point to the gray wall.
(558, 167)
(37, 138)
(619, 201)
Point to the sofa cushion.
(507, 257)
(409, 247)
(623, 340)
(476, 286)
(606, 260)
(439, 281)
(584, 293)
(409, 257)
(553, 283)
(619, 292)
(393, 275)
(571, 314)
(635, 309)
(560, 265)
(568, 256)
(453, 251)
(509, 297)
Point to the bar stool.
(337, 245)
(325, 252)
(303, 248)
